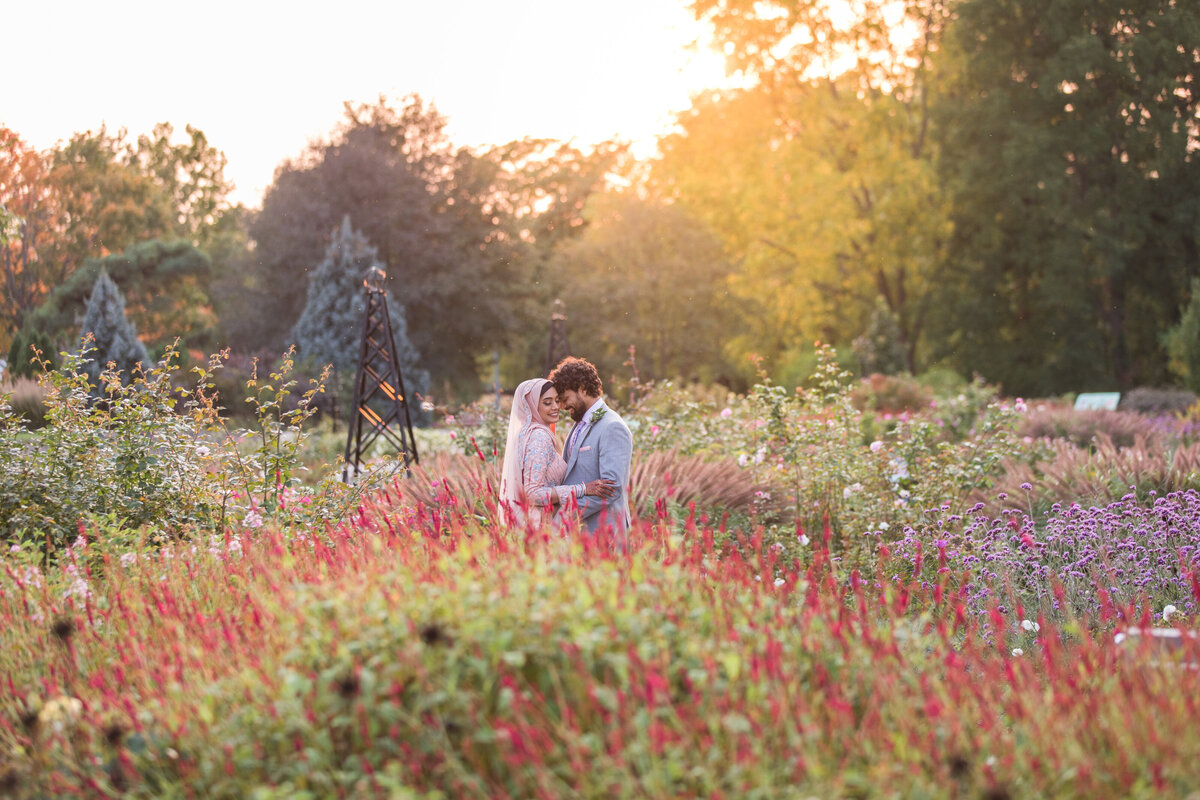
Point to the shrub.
(30, 348)
(891, 394)
(880, 349)
(1157, 401)
(145, 455)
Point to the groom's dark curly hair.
(578, 375)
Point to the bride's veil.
(522, 415)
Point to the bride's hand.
(600, 488)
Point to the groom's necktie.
(573, 439)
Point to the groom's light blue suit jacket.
(604, 450)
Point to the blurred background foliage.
(984, 187)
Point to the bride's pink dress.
(542, 469)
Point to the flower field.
(414, 652)
(818, 600)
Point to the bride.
(533, 462)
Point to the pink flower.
(453, 435)
(654, 429)
(726, 413)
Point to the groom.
(599, 445)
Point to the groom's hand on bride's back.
(600, 488)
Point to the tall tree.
(454, 256)
(107, 203)
(32, 215)
(330, 327)
(165, 294)
(649, 275)
(1070, 138)
(191, 173)
(818, 174)
(114, 338)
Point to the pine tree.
(114, 338)
(330, 326)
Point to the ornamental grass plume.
(694, 481)
(1097, 476)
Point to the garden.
(881, 587)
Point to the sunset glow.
(263, 79)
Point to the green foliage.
(151, 456)
(165, 286)
(652, 276)
(891, 394)
(1182, 342)
(881, 348)
(28, 347)
(1070, 156)
(107, 335)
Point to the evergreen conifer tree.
(114, 337)
(330, 326)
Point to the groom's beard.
(577, 413)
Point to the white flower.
(743, 459)
(202, 451)
(127, 559)
(853, 488)
(780, 581)
(1168, 611)
(759, 455)
(1020, 406)
(876, 446)
(1018, 651)
(253, 519)
(1030, 625)
(78, 588)
(804, 540)
(883, 526)
(32, 577)
(61, 712)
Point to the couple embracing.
(590, 477)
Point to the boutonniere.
(598, 414)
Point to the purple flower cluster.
(1139, 554)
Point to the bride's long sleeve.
(542, 470)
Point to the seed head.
(433, 634)
(63, 628)
(114, 732)
(348, 685)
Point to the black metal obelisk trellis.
(380, 402)
(559, 349)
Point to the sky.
(263, 79)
